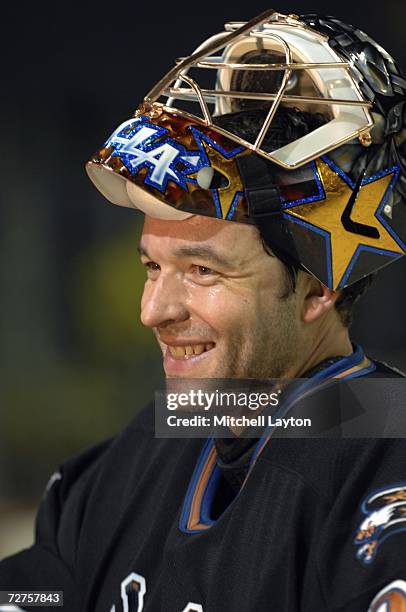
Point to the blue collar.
(196, 511)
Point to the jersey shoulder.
(384, 370)
(72, 488)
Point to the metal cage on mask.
(304, 50)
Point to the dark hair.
(288, 125)
(346, 300)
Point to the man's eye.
(203, 271)
(202, 275)
(151, 265)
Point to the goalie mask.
(294, 124)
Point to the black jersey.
(139, 524)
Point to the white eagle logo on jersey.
(385, 515)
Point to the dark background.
(75, 363)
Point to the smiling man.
(267, 213)
(219, 303)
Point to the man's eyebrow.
(205, 252)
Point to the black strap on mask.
(265, 206)
(261, 192)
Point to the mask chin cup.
(110, 184)
(120, 191)
(153, 207)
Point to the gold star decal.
(327, 215)
(227, 167)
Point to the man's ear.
(318, 299)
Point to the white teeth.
(188, 351)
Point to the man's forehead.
(196, 227)
(202, 233)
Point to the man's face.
(216, 300)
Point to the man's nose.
(164, 302)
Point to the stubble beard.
(272, 350)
